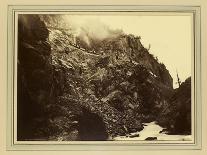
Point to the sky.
(169, 36)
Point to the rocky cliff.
(35, 71)
(176, 116)
(68, 90)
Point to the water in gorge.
(152, 131)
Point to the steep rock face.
(130, 69)
(35, 89)
(43, 112)
(177, 115)
(129, 47)
(85, 79)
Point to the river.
(153, 130)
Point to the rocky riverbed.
(152, 131)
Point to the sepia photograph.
(104, 76)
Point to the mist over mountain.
(90, 82)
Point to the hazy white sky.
(170, 36)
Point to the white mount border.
(105, 145)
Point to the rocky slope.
(68, 90)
